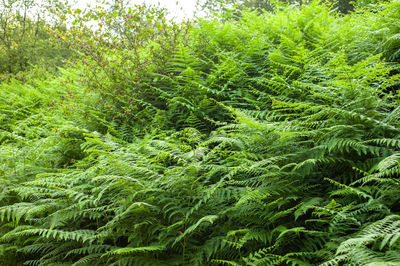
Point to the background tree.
(24, 38)
(343, 6)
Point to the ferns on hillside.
(266, 140)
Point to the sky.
(180, 9)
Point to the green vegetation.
(25, 42)
(243, 139)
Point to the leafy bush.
(25, 42)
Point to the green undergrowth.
(266, 139)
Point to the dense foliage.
(25, 42)
(245, 139)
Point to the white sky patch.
(180, 10)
